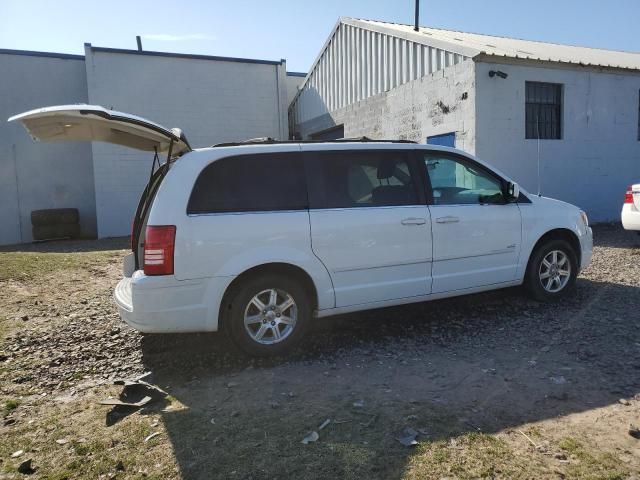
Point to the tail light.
(159, 243)
(628, 196)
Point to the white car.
(262, 238)
(631, 208)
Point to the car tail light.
(159, 243)
(628, 196)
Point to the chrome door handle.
(413, 221)
(448, 219)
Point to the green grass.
(591, 465)
(478, 455)
(22, 266)
(470, 456)
(10, 406)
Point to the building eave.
(32, 53)
(484, 57)
(187, 56)
(420, 36)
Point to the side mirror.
(513, 191)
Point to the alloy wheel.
(270, 316)
(555, 271)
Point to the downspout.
(279, 101)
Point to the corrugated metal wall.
(358, 63)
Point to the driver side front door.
(476, 233)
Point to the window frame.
(560, 106)
(420, 156)
(315, 186)
(288, 153)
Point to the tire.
(54, 216)
(50, 232)
(550, 283)
(270, 324)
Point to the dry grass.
(25, 266)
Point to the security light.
(493, 73)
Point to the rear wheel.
(269, 314)
(552, 271)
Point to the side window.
(351, 179)
(456, 182)
(250, 183)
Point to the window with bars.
(543, 110)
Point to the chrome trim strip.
(354, 269)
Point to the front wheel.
(552, 271)
(269, 314)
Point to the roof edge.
(188, 56)
(412, 36)
(485, 57)
(34, 53)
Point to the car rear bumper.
(630, 217)
(162, 304)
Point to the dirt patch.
(493, 385)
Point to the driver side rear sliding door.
(370, 225)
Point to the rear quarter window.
(250, 183)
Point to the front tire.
(269, 315)
(552, 271)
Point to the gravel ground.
(530, 375)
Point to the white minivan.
(262, 238)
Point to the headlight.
(584, 218)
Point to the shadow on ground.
(480, 363)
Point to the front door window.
(455, 182)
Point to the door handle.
(413, 221)
(447, 219)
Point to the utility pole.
(416, 25)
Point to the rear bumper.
(630, 217)
(162, 304)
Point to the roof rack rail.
(273, 141)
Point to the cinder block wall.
(599, 153)
(438, 103)
(41, 175)
(211, 100)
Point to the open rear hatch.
(98, 124)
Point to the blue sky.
(296, 29)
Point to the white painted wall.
(32, 175)
(599, 154)
(212, 101)
(292, 82)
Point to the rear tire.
(552, 271)
(269, 314)
(52, 232)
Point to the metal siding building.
(213, 99)
(385, 80)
